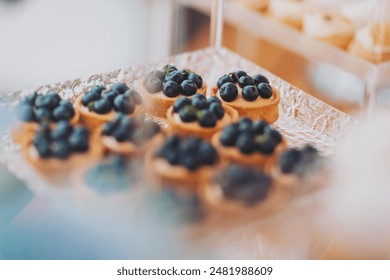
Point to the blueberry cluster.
(252, 87)
(61, 141)
(114, 175)
(206, 111)
(190, 152)
(44, 108)
(299, 161)
(251, 136)
(173, 82)
(245, 184)
(136, 130)
(120, 98)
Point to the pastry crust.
(158, 104)
(257, 160)
(265, 109)
(185, 129)
(92, 120)
(257, 5)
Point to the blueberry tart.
(181, 161)
(251, 96)
(162, 88)
(199, 116)
(61, 148)
(129, 136)
(100, 105)
(247, 142)
(300, 170)
(237, 188)
(38, 109)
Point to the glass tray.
(303, 119)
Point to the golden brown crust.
(158, 104)
(340, 41)
(257, 5)
(203, 132)
(256, 160)
(92, 120)
(357, 49)
(268, 112)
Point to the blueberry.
(187, 114)
(181, 103)
(249, 93)
(264, 90)
(124, 104)
(260, 79)
(265, 145)
(171, 89)
(259, 126)
(135, 95)
(61, 149)
(189, 145)
(121, 133)
(109, 128)
(78, 142)
(67, 104)
(172, 141)
(224, 80)
(189, 162)
(80, 131)
(44, 130)
(43, 147)
(199, 101)
(206, 118)
(229, 135)
(62, 130)
(111, 95)
(228, 92)
(42, 115)
(156, 74)
(245, 125)
(274, 135)
(31, 98)
(214, 99)
(102, 106)
(196, 79)
(120, 88)
(207, 154)
(288, 159)
(153, 84)
(168, 68)
(25, 113)
(175, 76)
(217, 110)
(244, 81)
(188, 88)
(186, 73)
(245, 143)
(48, 101)
(89, 97)
(240, 73)
(98, 89)
(62, 113)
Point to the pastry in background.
(328, 27)
(372, 42)
(289, 12)
(257, 5)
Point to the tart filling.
(236, 183)
(113, 175)
(48, 108)
(249, 142)
(118, 99)
(129, 135)
(171, 82)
